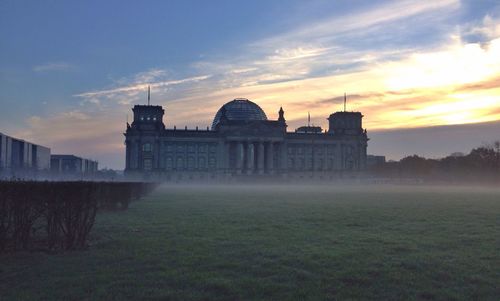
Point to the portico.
(251, 156)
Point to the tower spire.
(308, 118)
(149, 94)
(281, 115)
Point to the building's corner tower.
(142, 138)
(148, 118)
(348, 126)
(349, 123)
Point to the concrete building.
(242, 142)
(21, 158)
(374, 160)
(70, 165)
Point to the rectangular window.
(191, 163)
(319, 164)
(148, 164)
(180, 163)
(169, 163)
(201, 163)
(331, 149)
(310, 163)
(211, 162)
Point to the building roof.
(69, 157)
(239, 109)
(309, 129)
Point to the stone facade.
(242, 143)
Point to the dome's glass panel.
(240, 109)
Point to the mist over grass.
(278, 242)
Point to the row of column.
(254, 157)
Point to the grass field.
(278, 243)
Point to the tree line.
(481, 165)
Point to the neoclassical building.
(242, 142)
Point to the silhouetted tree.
(482, 164)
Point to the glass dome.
(240, 109)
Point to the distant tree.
(107, 174)
(482, 164)
(417, 166)
(457, 154)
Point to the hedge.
(58, 215)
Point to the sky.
(425, 74)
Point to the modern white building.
(67, 165)
(19, 157)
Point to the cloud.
(243, 70)
(54, 66)
(394, 88)
(454, 65)
(135, 87)
(93, 135)
(150, 76)
(443, 79)
(490, 83)
(488, 29)
(326, 29)
(334, 45)
(91, 100)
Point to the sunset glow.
(404, 64)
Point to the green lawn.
(278, 243)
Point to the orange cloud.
(456, 83)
